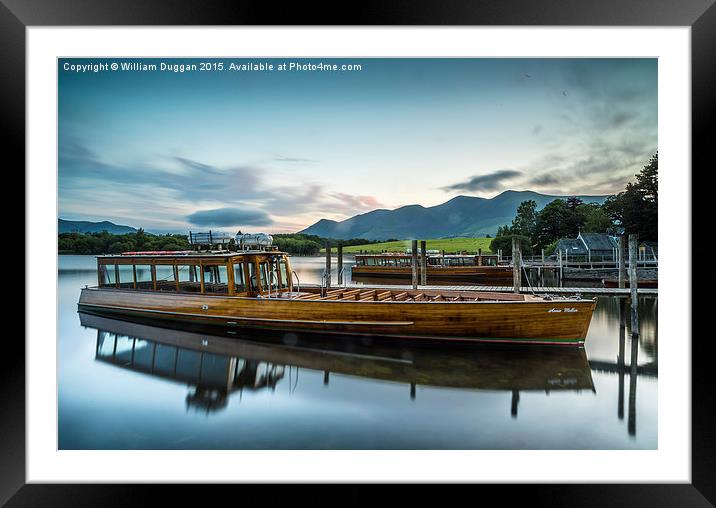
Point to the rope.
(528, 280)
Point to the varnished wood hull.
(531, 321)
(484, 274)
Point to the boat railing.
(272, 277)
(324, 282)
(528, 279)
(340, 278)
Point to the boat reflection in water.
(216, 366)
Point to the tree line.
(108, 243)
(632, 211)
(309, 245)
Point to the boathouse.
(589, 246)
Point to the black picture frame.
(700, 15)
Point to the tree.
(505, 243)
(635, 210)
(553, 222)
(595, 219)
(140, 239)
(503, 231)
(525, 221)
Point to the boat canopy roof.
(190, 254)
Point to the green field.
(449, 245)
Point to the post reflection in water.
(215, 367)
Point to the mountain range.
(462, 216)
(83, 226)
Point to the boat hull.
(543, 322)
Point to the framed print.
(422, 247)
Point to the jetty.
(627, 281)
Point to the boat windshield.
(232, 275)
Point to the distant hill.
(81, 226)
(462, 216)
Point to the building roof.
(571, 246)
(598, 241)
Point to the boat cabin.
(403, 260)
(248, 273)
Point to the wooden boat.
(186, 354)
(642, 283)
(256, 289)
(453, 267)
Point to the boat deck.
(398, 294)
(509, 289)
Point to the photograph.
(304, 253)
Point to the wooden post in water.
(633, 286)
(516, 265)
(423, 262)
(621, 264)
(559, 262)
(328, 266)
(542, 256)
(339, 267)
(414, 262)
(479, 257)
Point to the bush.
(505, 243)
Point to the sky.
(275, 150)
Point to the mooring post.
(559, 262)
(423, 262)
(543, 256)
(621, 264)
(339, 267)
(328, 265)
(633, 285)
(414, 262)
(516, 264)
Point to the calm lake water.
(134, 386)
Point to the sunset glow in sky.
(275, 151)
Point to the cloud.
(228, 217)
(350, 203)
(546, 179)
(490, 181)
(292, 159)
(161, 192)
